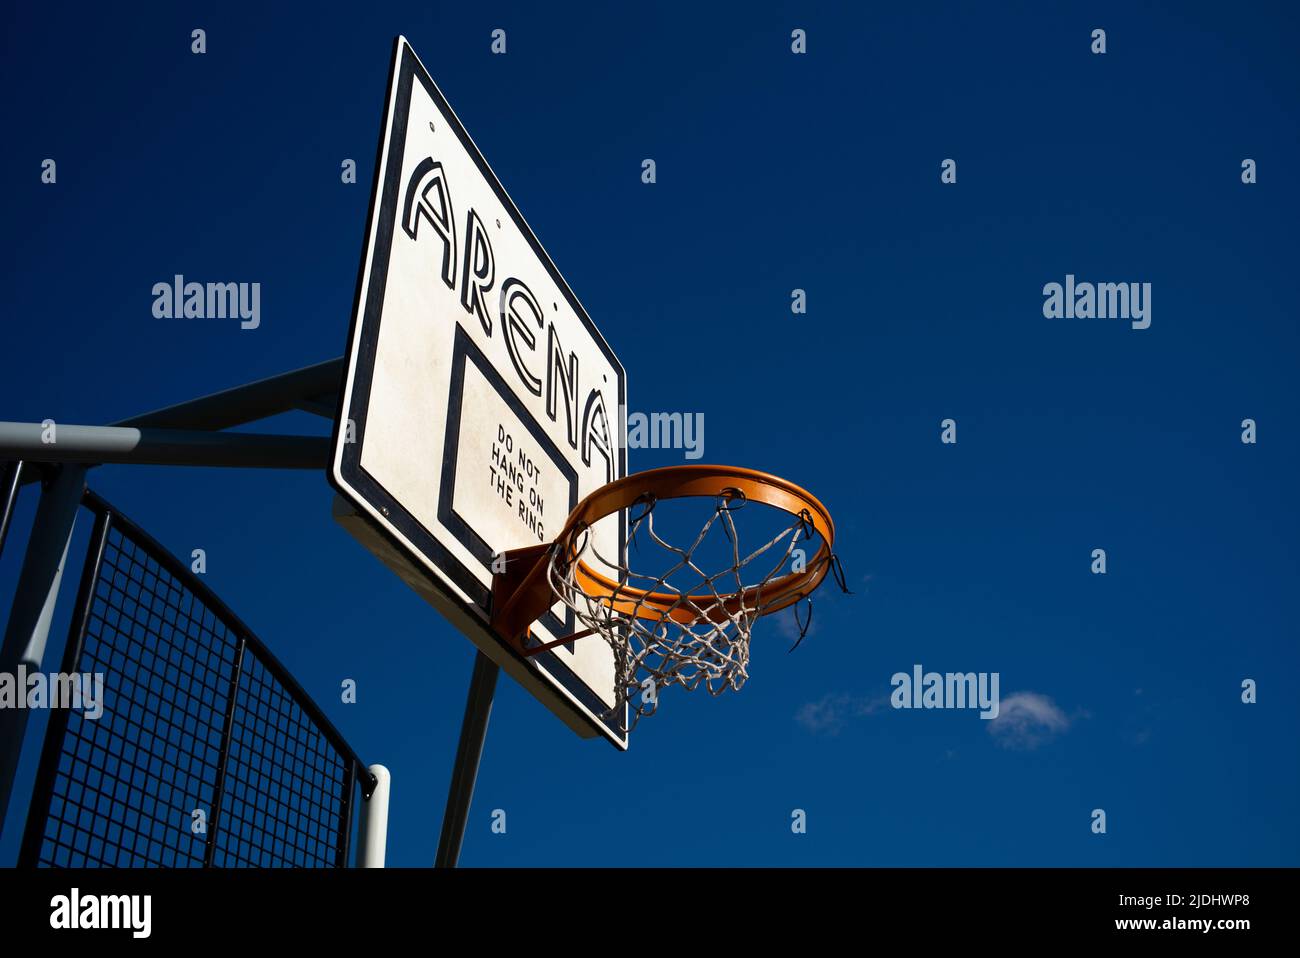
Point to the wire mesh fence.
(207, 752)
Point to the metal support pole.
(473, 729)
(313, 389)
(162, 447)
(33, 607)
(250, 402)
(47, 771)
(11, 481)
(374, 821)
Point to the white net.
(664, 635)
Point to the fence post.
(374, 821)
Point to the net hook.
(803, 626)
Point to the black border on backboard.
(357, 485)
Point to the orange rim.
(679, 482)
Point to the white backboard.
(480, 403)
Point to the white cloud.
(832, 711)
(1027, 720)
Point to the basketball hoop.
(662, 635)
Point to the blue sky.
(775, 172)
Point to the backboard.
(480, 403)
